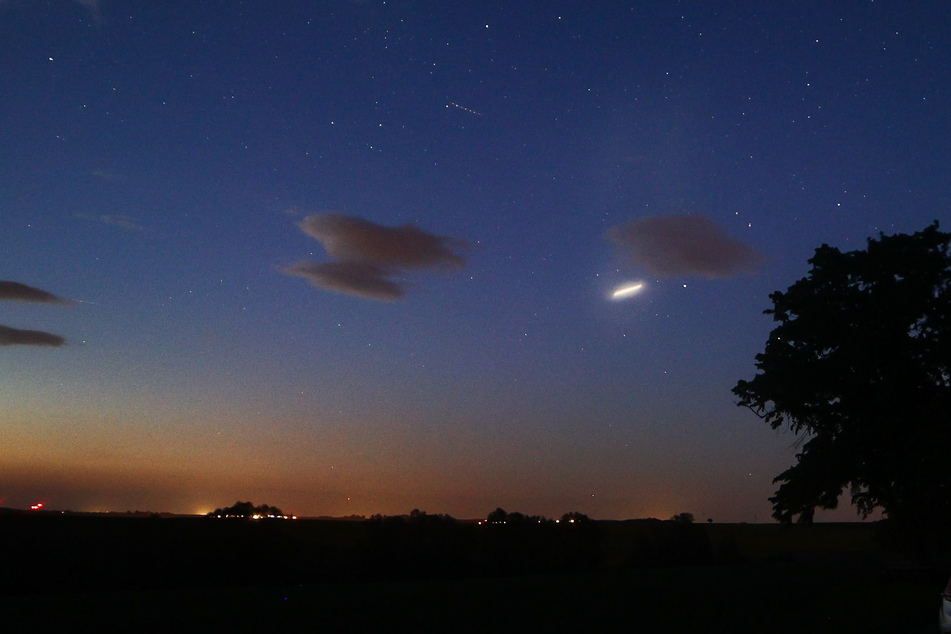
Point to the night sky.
(356, 257)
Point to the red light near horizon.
(37, 506)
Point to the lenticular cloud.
(22, 292)
(15, 291)
(354, 239)
(354, 278)
(683, 245)
(369, 255)
(17, 337)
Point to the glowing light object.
(627, 290)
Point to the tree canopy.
(247, 509)
(860, 368)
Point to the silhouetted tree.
(516, 518)
(683, 518)
(418, 544)
(246, 509)
(860, 367)
(498, 516)
(574, 516)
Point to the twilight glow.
(350, 257)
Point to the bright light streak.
(627, 290)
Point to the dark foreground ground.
(647, 577)
(741, 598)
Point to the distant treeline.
(49, 552)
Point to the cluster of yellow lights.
(261, 517)
(274, 517)
(483, 522)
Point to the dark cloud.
(683, 245)
(369, 255)
(356, 278)
(22, 292)
(16, 337)
(353, 239)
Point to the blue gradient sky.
(158, 159)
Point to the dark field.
(195, 574)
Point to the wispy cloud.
(16, 337)
(91, 5)
(370, 255)
(683, 245)
(107, 175)
(21, 292)
(114, 220)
